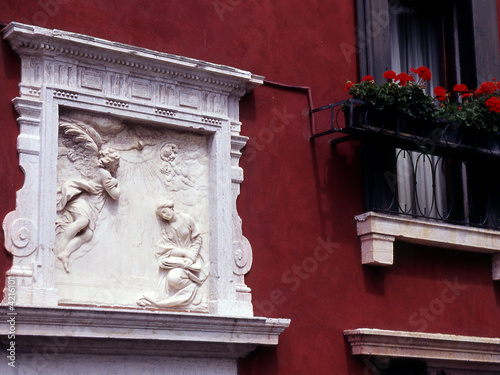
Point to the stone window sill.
(439, 351)
(378, 232)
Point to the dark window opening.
(405, 367)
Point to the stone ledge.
(141, 332)
(378, 232)
(438, 350)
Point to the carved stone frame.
(80, 72)
(61, 69)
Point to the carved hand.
(111, 183)
(187, 262)
(176, 252)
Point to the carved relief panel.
(112, 177)
(132, 173)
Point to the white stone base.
(53, 363)
(82, 340)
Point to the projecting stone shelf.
(378, 232)
(140, 332)
(439, 351)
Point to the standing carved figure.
(79, 200)
(181, 265)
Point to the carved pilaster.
(242, 250)
(22, 227)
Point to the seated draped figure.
(182, 268)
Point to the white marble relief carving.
(175, 169)
(142, 89)
(174, 122)
(80, 200)
(107, 249)
(182, 267)
(92, 80)
(189, 98)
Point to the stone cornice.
(119, 331)
(450, 351)
(31, 40)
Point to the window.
(458, 41)
(444, 36)
(468, 30)
(404, 367)
(424, 35)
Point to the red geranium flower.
(460, 88)
(440, 93)
(493, 104)
(466, 96)
(403, 78)
(486, 88)
(368, 78)
(390, 74)
(423, 72)
(349, 85)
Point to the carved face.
(166, 213)
(113, 166)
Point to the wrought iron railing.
(431, 170)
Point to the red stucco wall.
(299, 197)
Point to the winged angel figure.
(80, 200)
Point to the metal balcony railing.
(431, 170)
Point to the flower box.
(427, 135)
(400, 107)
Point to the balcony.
(431, 183)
